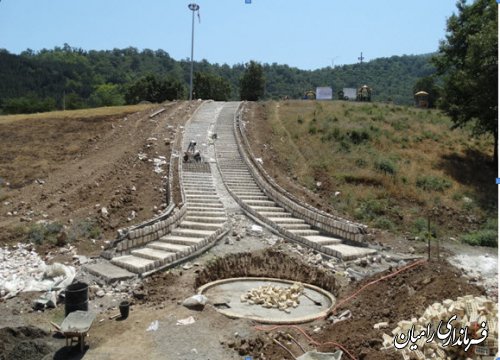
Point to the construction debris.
(276, 297)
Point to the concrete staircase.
(205, 217)
(241, 184)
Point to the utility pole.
(193, 7)
(361, 58)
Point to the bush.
(487, 236)
(384, 223)
(40, 233)
(386, 166)
(482, 237)
(84, 229)
(432, 183)
(359, 136)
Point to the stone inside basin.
(225, 296)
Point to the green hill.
(49, 76)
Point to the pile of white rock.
(22, 269)
(478, 314)
(277, 297)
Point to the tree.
(468, 61)
(210, 86)
(106, 95)
(154, 89)
(428, 85)
(252, 84)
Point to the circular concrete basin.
(225, 296)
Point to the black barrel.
(124, 308)
(76, 298)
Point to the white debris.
(254, 230)
(104, 212)
(259, 160)
(153, 326)
(187, 321)
(158, 163)
(132, 215)
(142, 156)
(22, 269)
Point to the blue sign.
(498, 179)
(249, 2)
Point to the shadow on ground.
(477, 171)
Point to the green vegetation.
(210, 86)
(154, 89)
(84, 229)
(486, 236)
(432, 183)
(253, 83)
(391, 164)
(73, 78)
(42, 233)
(468, 63)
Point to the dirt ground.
(103, 171)
(66, 170)
(214, 336)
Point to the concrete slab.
(108, 272)
(323, 240)
(348, 252)
(134, 264)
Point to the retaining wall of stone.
(151, 230)
(353, 232)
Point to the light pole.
(193, 7)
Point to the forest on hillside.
(75, 78)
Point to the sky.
(303, 34)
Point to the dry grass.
(78, 114)
(34, 145)
(391, 164)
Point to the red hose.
(314, 342)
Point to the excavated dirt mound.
(24, 343)
(270, 262)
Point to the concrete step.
(180, 250)
(214, 213)
(286, 220)
(206, 219)
(260, 203)
(191, 204)
(155, 254)
(134, 264)
(199, 192)
(200, 225)
(197, 209)
(184, 240)
(323, 240)
(304, 232)
(268, 209)
(203, 199)
(252, 197)
(192, 233)
(275, 214)
(348, 252)
(295, 226)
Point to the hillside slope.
(388, 166)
